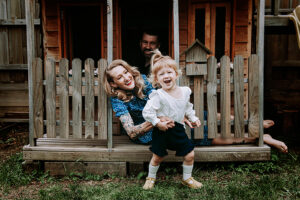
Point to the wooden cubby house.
(70, 118)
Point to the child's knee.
(156, 160)
(190, 156)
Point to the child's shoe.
(192, 183)
(149, 184)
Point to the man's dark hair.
(150, 32)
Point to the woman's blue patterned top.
(135, 107)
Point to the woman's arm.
(132, 130)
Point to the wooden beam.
(29, 13)
(176, 30)
(17, 22)
(109, 60)
(14, 67)
(260, 52)
(280, 20)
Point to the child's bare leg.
(281, 146)
(187, 178)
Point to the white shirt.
(163, 104)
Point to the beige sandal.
(149, 184)
(192, 183)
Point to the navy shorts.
(174, 139)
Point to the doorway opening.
(81, 32)
(144, 15)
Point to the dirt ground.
(13, 136)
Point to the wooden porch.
(90, 138)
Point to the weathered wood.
(176, 30)
(260, 52)
(196, 69)
(64, 98)
(11, 66)
(29, 13)
(109, 60)
(280, 20)
(253, 127)
(77, 99)
(141, 153)
(50, 98)
(17, 22)
(4, 59)
(225, 97)
(199, 104)
(239, 128)
(38, 111)
(100, 168)
(212, 97)
(102, 103)
(89, 99)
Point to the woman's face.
(122, 78)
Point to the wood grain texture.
(77, 98)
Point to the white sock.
(187, 171)
(152, 171)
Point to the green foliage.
(11, 172)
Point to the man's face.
(148, 44)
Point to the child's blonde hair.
(159, 61)
(120, 93)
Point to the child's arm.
(190, 113)
(132, 130)
(150, 112)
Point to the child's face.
(122, 78)
(166, 77)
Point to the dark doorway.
(81, 27)
(139, 15)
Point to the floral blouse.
(135, 107)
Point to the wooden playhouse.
(71, 121)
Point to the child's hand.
(170, 122)
(163, 126)
(196, 123)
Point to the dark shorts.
(174, 139)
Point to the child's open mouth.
(167, 81)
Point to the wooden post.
(109, 60)
(29, 13)
(64, 98)
(253, 127)
(239, 128)
(225, 97)
(212, 122)
(260, 52)
(50, 98)
(89, 99)
(102, 102)
(176, 30)
(77, 98)
(38, 112)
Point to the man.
(149, 42)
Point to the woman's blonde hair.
(120, 93)
(159, 61)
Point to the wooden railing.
(83, 88)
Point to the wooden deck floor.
(125, 151)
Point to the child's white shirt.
(162, 104)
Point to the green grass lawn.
(275, 179)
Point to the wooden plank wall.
(13, 59)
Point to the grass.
(276, 179)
